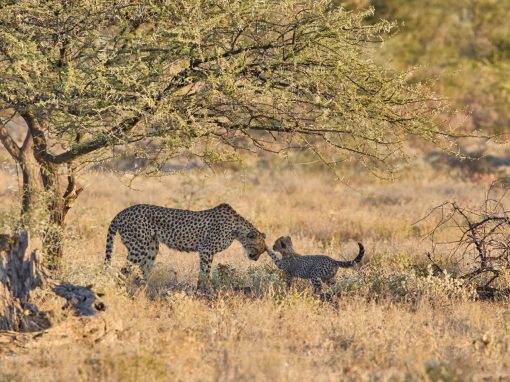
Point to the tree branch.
(98, 143)
(7, 141)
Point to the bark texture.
(22, 271)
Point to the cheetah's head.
(284, 245)
(254, 243)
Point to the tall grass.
(389, 320)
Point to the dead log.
(20, 273)
(82, 300)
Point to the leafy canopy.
(466, 44)
(207, 77)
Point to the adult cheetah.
(315, 268)
(142, 227)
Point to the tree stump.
(20, 273)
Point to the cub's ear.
(252, 235)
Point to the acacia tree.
(205, 77)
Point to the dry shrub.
(475, 238)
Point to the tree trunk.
(44, 191)
(53, 233)
(32, 185)
(59, 198)
(59, 203)
(46, 198)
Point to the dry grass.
(389, 324)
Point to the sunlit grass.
(388, 320)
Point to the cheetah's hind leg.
(123, 275)
(331, 283)
(148, 262)
(128, 274)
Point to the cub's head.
(284, 246)
(254, 243)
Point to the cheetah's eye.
(252, 235)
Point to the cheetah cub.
(315, 268)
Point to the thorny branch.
(476, 239)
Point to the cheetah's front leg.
(205, 271)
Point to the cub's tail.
(112, 230)
(352, 263)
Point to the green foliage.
(441, 371)
(206, 77)
(226, 276)
(257, 278)
(464, 42)
(262, 277)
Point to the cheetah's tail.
(112, 231)
(352, 263)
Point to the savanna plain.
(230, 80)
(389, 319)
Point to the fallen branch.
(82, 300)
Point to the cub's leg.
(288, 280)
(329, 281)
(205, 271)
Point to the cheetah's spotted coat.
(142, 227)
(314, 268)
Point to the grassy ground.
(390, 321)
